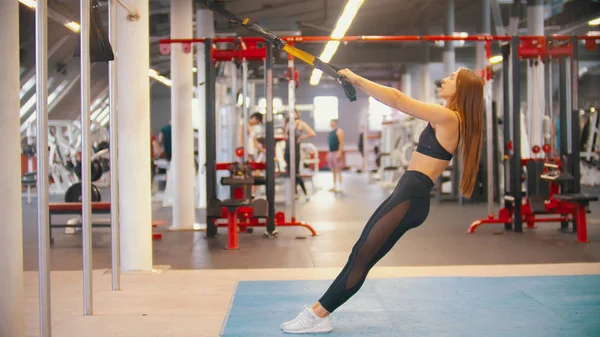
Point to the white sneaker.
(307, 322)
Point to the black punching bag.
(100, 48)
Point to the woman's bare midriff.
(431, 167)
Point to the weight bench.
(75, 208)
(579, 203)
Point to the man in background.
(256, 140)
(335, 156)
(164, 139)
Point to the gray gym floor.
(339, 218)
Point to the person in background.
(256, 134)
(336, 152)
(256, 144)
(164, 139)
(301, 131)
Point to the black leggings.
(299, 180)
(406, 208)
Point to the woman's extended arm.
(393, 98)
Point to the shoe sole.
(313, 330)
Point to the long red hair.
(469, 103)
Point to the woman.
(457, 125)
(301, 131)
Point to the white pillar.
(449, 51)
(204, 28)
(425, 83)
(536, 99)
(486, 29)
(133, 104)
(426, 92)
(407, 84)
(12, 322)
(182, 163)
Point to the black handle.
(333, 72)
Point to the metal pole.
(270, 139)
(86, 181)
(204, 27)
(245, 137)
(517, 170)
(506, 118)
(548, 139)
(292, 137)
(114, 158)
(563, 106)
(233, 116)
(486, 28)
(535, 79)
(449, 52)
(489, 116)
(41, 83)
(515, 16)
(211, 147)
(575, 134)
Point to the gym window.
(378, 113)
(325, 109)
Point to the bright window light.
(262, 104)
(326, 109)
(277, 103)
(378, 112)
(496, 59)
(594, 22)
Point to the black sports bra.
(430, 146)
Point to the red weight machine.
(535, 208)
(242, 211)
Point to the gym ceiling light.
(341, 27)
(595, 22)
(496, 59)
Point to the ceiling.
(380, 61)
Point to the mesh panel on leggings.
(381, 231)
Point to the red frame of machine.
(247, 48)
(552, 206)
(243, 216)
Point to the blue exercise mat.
(548, 306)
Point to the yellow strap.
(245, 22)
(302, 55)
